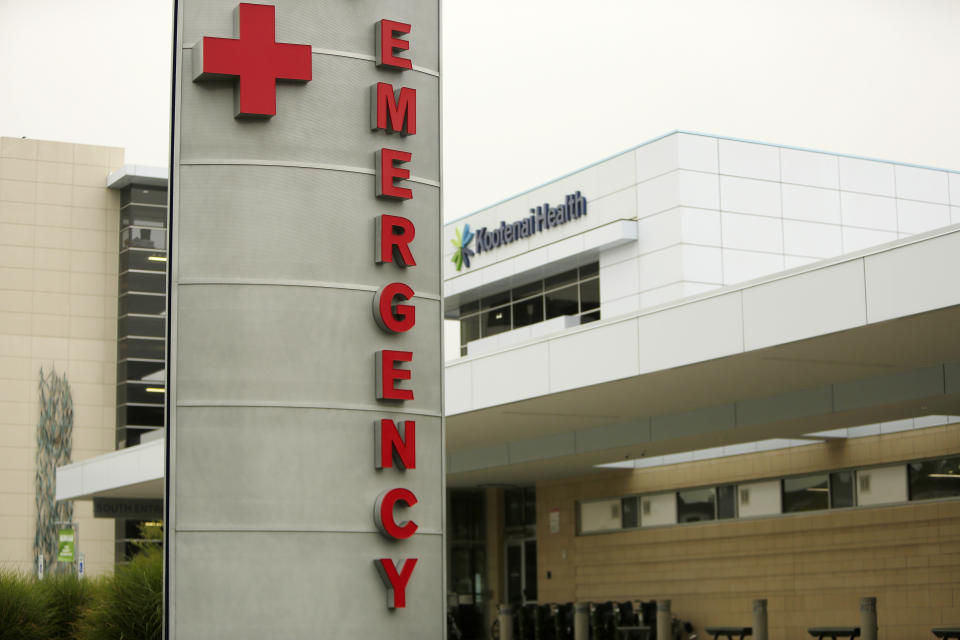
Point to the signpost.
(304, 306)
(65, 545)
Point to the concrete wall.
(812, 568)
(58, 309)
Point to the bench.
(947, 633)
(835, 633)
(730, 632)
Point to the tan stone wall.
(812, 568)
(58, 308)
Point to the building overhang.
(861, 339)
(135, 472)
(140, 174)
(864, 338)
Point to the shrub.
(64, 598)
(129, 605)
(21, 608)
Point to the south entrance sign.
(304, 308)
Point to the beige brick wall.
(58, 308)
(812, 569)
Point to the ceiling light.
(157, 258)
(943, 475)
(156, 390)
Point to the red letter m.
(393, 112)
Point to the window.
(934, 479)
(696, 505)
(630, 510)
(601, 515)
(841, 489)
(520, 507)
(726, 501)
(806, 493)
(567, 294)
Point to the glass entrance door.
(521, 571)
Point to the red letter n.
(395, 444)
(395, 112)
(394, 235)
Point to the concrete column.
(868, 618)
(581, 621)
(760, 619)
(663, 620)
(505, 617)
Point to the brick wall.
(58, 308)
(812, 568)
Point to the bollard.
(760, 619)
(868, 618)
(581, 621)
(505, 618)
(664, 620)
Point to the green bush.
(21, 608)
(65, 597)
(129, 605)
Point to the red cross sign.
(255, 59)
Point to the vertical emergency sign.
(305, 306)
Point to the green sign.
(65, 545)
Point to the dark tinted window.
(591, 316)
(143, 281)
(143, 195)
(696, 505)
(495, 321)
(135, 215)
(806, 493)
(934, 479)
(559, 280)
(149, 260)
(143, 304)
(469, 329)
(141, 349)
(841, 489)
(469, 307)
(726, 501)
(562, 302)
(589, 295)
(151, 326)
(528, 290)
(529, 311)
(136, 370)
(588, 270)
(495, 300)
(151, 416)
(141, 393)
(630, 512)
(530, 506)
(520, 507)
(466, 516)
(143, 238)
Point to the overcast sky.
(536, 88)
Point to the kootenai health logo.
(461, 243)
